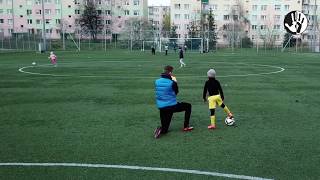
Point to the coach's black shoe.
(157, 132)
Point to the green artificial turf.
(99, 108)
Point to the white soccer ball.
(34, 63)
(229, 121)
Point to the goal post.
(189, 44)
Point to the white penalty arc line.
(281, 69)
(197, 172)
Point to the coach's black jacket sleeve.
(175, 87)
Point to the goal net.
(188, 44)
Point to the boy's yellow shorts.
(213, 100)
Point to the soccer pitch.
(97, 110)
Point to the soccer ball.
(229, 121)
(34, 63)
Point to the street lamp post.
(154, 36)
(43, 28)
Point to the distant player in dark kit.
(213, 87)
(166, 89)
(182, 64)
(153, 51)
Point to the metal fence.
(80, 42)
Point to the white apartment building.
(182, 13)
(264, 18)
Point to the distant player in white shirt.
(166, 48)
(53, 59)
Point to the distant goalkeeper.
(213, 87)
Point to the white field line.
(186, 171)
(281, 69)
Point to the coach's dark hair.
(168, 69)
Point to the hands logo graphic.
(295, 22)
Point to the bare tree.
(90, 21)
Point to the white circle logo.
(295, 22)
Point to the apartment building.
(311, 9)
(266, 18)
(25, 16)
(157, 15)
(182, 13)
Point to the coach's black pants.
(167, 112)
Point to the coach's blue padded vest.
(165, 95)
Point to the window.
(47, 1)
(37, 2)
(277, 7)
(29, 12)
(9, 11)
(263, 7)
(57, 1)
(10, 31)
(136, 2)
(108, 12)
(254, 17)
(58, 11)
(1, 11)
(108, 21)
(99, 12)
(235, 17)
(263, 27)
(177, 6)
(277, 17)
(38, 11)
(10, 21)
(48, 21)
(254, 7)
(186, 16)
(277, 26)
(29, 21)
(226, 7)
(253, 26)
(136, 13)
(47, 11)
(58, 21)
(38, 21)
(177, 16)
(21, 26)
(126, 12)
(77, 11)
(187, 6)
(214, 7)
(263, 17)
(1, 21)
(226, 17)
(29, 2)
(286, 7)
(126, 3)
